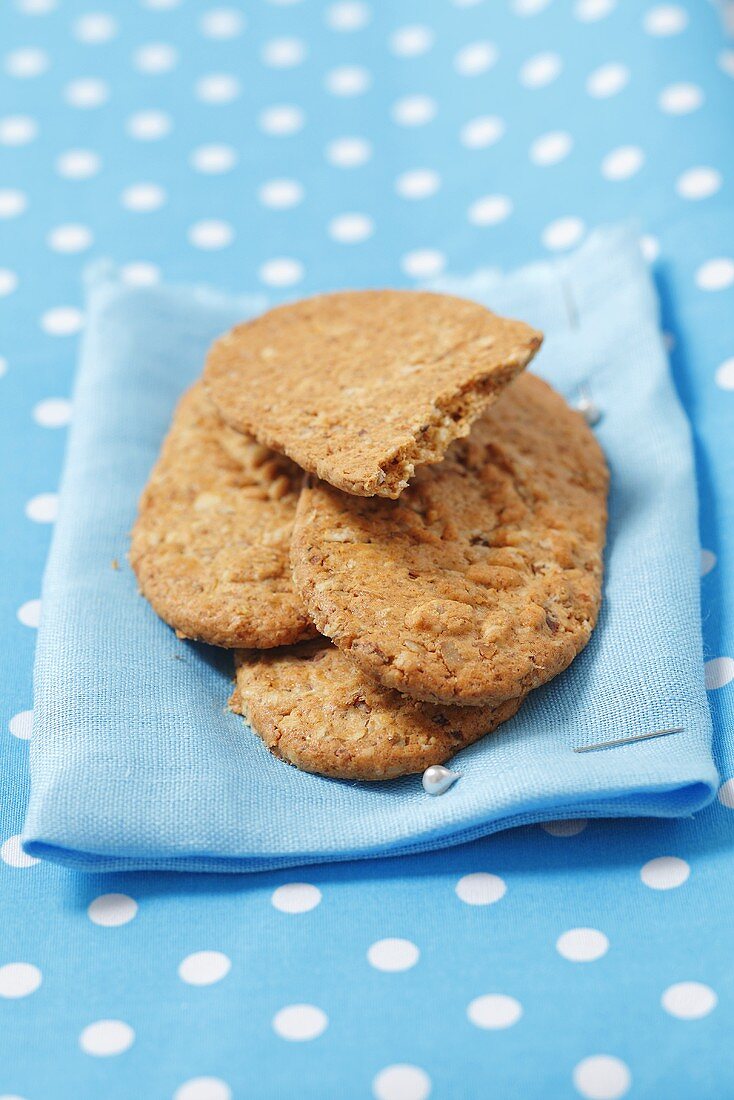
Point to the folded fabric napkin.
(136, 762)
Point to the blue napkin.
(136, 762)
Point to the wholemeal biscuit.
(484, 579)
(314, 708)
(361, 387)
(210, 544)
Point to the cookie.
(210, 544)
(361, 387)
(484, 579)
(314, 708)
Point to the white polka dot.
(480, 888)
(726, 794)
(70, 238)
(351, 228)
(680, 99)
(725, 380)
(25, 63)
(708, 558)
(563, 233)
(650, 248)
(716, 274)
(348, 152)
(155, 57)
(140, 273)
(218, 88)
(665, 19)
(12, 853)
(299, 1023)
(689, 1000)
(106, 1037)
(62, 321)
(282, 120)
(622, 163)
(17, 130)
(281, 271)
(204, 968)
(112, 910)
(296, 897)
(283, 53)
(411, 41)
(414, 110)
(203, 1088)
(43, 508)
(476, 58)
(418, 183)
(148, 125)
(401, 1082)
(582, 945)
(349, 15)
(222, 23)
(565, 828)
(719, 672)
(602, 1077)
(423, 263)
(281, 194)
(213, 159)
(160, 5)
(21, 724)
(142, 198)
(19, 979)
(35, 7)
(494, 1011)
(589, 11)
(12, 203)
(529, 7)
(87, 92)
(726, 62)
(608, 80)
(483, 131)
(698, 183)
(540, 70)
(95, 27)
(393, 954)
(211, 234)
(29, 613)
(490, 210)
(78, 164)
(8, 281)
(3, 365)
(551, 148)
(665, 872)
(54, 412)
(348, 80)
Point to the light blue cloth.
(136, 762)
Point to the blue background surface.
(571, 1010)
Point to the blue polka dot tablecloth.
(284, 148)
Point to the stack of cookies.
(397, 531)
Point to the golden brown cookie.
(314, 708)
(484, 579)
(210, 544)
(361, 387)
